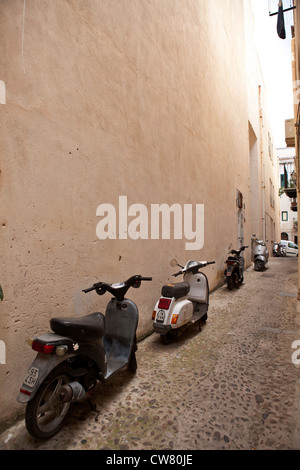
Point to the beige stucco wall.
(108, 98)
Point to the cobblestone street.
(231, 386)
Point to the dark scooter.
(278, 249)
(79, 352)
(234, 270)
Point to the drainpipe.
(262, 166)
(298, 200)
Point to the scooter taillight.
(164, 304)
(230, 263)
(43, 347)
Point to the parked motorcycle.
(282, 250)
(278, 249)
(183, 303)
(234, 270)
(260, 255)
(77, 353)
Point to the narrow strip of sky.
(276, 59)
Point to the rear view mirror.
(174, 263)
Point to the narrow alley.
(231, 386)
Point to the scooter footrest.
(177, 291)
(87, 327)
(202, 310)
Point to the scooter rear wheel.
(45, 413)
(236, 280)
(230, 282)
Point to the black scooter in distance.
(234, 270)
(77, 353)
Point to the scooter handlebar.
(117, 289)
(89, 289)
(194, 268)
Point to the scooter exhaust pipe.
(71, 392)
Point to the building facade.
(288, 205)
(110, 111)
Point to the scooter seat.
(90, 326)
(181, 289)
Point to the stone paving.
(231, 386)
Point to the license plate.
(32, 377)
(160, 316)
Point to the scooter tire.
(38, 415)
(230, 283)
(236, 280)
(259, 265)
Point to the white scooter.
(184, 303)
(260, 254)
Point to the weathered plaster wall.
(108, 98)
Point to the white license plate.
(160, 316)
(32, 377)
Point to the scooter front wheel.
(259, 265)
(45, 413)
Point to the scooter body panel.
(182, 313)
(121, 320)
(177, 314)
(199, 287)
(261, 258)
(237, 267)
(41, 367)
(230, 268)
(43, 364)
